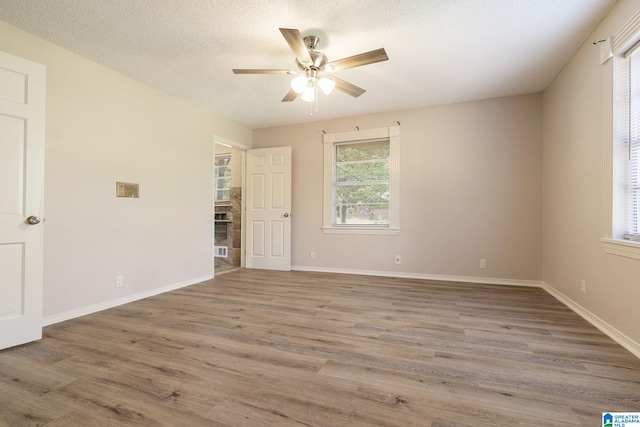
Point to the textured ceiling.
(440, 51)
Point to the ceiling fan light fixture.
(327, 85)
(309, 94)
(299, 84)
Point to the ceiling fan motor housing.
(318, 59)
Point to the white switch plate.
(119, 282)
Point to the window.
(222, 177)
(361, 182)
(632, 186)
(621, 60)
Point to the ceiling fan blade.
(296, 43)
(366, 58)
(348, 88)
(260, 71)
(290, 96)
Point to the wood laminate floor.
(259, 348)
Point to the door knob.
(33, 220)
(286, 215)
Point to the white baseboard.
(603, 326)
(403, 275)
(82, 311)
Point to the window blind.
(634, 144)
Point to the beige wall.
(573, 190)
(103, 127)
(471, 188)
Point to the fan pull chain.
(314, 105)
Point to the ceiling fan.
(312, 66)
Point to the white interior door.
(268, 208)
(22, 110)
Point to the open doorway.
(227, 212)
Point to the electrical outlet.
(583, 287)
(312, 255)
(398, 259)
(483, 263)
(119, 282)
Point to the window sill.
(362, 230)
(623, 248)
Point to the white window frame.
(227, 180)
(615, 136)
(329, 141)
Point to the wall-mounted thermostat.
(127, 189)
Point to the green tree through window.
(362, 183)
